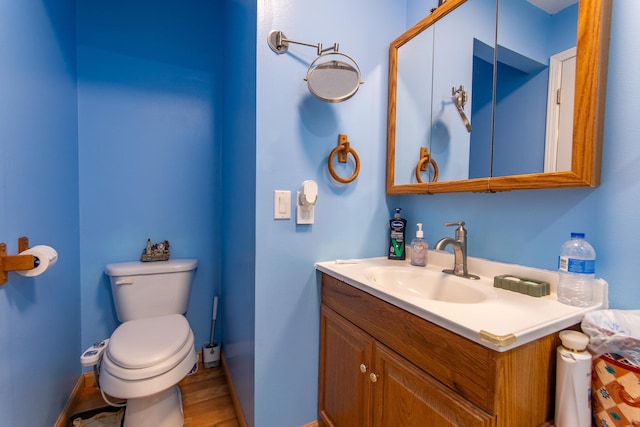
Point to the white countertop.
(512, 318)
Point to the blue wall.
(295, 134)
(149, 130)
(282, 136)
(239, 199)
(158, 99)
(40, 316)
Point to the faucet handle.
(453, 224)
(461, 232)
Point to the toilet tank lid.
(156, 267)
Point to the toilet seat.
(145, 348)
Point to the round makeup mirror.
(333, 77)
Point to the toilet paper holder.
(15, 262)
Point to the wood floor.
(206, 399)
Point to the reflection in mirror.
(506, 148)
(427, 115)
(482, 109)
(459, 97)
(414, 111)
(458, 35)
(528, 39)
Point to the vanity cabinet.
(367, 384)
(383, 366)
(346, 353)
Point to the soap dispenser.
(396, 246)
(419, 249)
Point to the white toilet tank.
(150, 289)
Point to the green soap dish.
(534, 288)
(507, 282)
(538, 288)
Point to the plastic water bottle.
(576, 268)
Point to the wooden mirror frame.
(594, 23)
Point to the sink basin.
(426, 284)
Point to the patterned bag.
(616, 391)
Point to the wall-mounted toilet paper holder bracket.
(15, 262)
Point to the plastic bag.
(102, 419)
(614, 331)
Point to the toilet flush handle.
(125, 281)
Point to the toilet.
(153, 348)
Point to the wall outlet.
(304, 213)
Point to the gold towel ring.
(343, 149)
(423, 164)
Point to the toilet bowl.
(153, 349)
(143, 362)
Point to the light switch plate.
(281, 204)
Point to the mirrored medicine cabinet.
(498, 95)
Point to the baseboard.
(85, 380)
(232, 390)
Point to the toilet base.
(163, 409)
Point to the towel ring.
(423, 165)
(343, 149)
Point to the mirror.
(441, 62)
(333, 79)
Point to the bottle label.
(397, 225)
(577, 266)
(397, 248)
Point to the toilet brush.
(211, 351)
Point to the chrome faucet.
(459, 246)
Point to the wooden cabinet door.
(406, 396)
(345, 354)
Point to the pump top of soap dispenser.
(397, 215)
(419, 233)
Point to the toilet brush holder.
(211, 355)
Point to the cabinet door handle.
(363, 368)
(373, 377)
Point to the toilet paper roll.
(46, 257)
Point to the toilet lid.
(142, 343)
